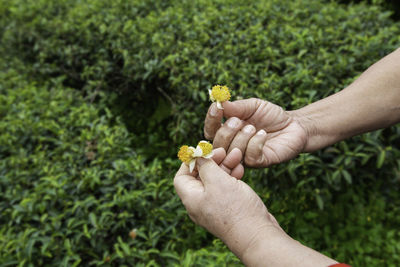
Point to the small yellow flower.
(206, 147)
(219, 94)
(189, 154)
(185, 154)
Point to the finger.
(254, 155)
(183, 170)
(225, 169)
(242, 138)
(212, 122)
(219, 155)
(232, 162)
(227, 132)
(238, 172)
(188, 187)
(232, 159)
(210, 172)
(242, 109)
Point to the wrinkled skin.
(263, 131)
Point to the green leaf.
(347, 176)
(381, 159)
(320, 202)
(93, 219)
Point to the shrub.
(172, 51)
(72, 187)
(80, 169)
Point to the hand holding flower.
(232, 211)
(219, 94)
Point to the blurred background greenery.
(97, 96)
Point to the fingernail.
(233, 122)
(236, 149)
(213, 110)
(249, 129)
(261, 132)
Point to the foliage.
(289, 53)
(96, 96)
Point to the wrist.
(322, 126)
(273, 247)
(261, 251)
(247, 236)
(308, 124)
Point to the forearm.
(369, 103)
(276, 248)
(262, 242)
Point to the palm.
(285, 139)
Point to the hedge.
(289, 53)
(96, 96)
(72, 187)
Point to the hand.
(229, 163)
(232, 211)
(225, 206)
(263, 131)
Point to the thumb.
(210, 172)
(254, 153)
(242, 109)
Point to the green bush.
(80, 168)
(289, 53)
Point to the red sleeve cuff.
(339, 265)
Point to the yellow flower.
(219, 94)
(185, 154)
(206, 147)
(189, 154)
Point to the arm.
(278, 249)
(369, 103)
(232, 211)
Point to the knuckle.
(248, 160)
(210, 129)
(207, 135)
(256, 101)
(239, 143)
(224, 134)
(259, 103)
(220, 140)
(251, 158)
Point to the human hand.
(263, 131)
(232, 211)
(230, 163)
(226, 207)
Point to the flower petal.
(211, 96)
(198, 152)
(192, 164)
